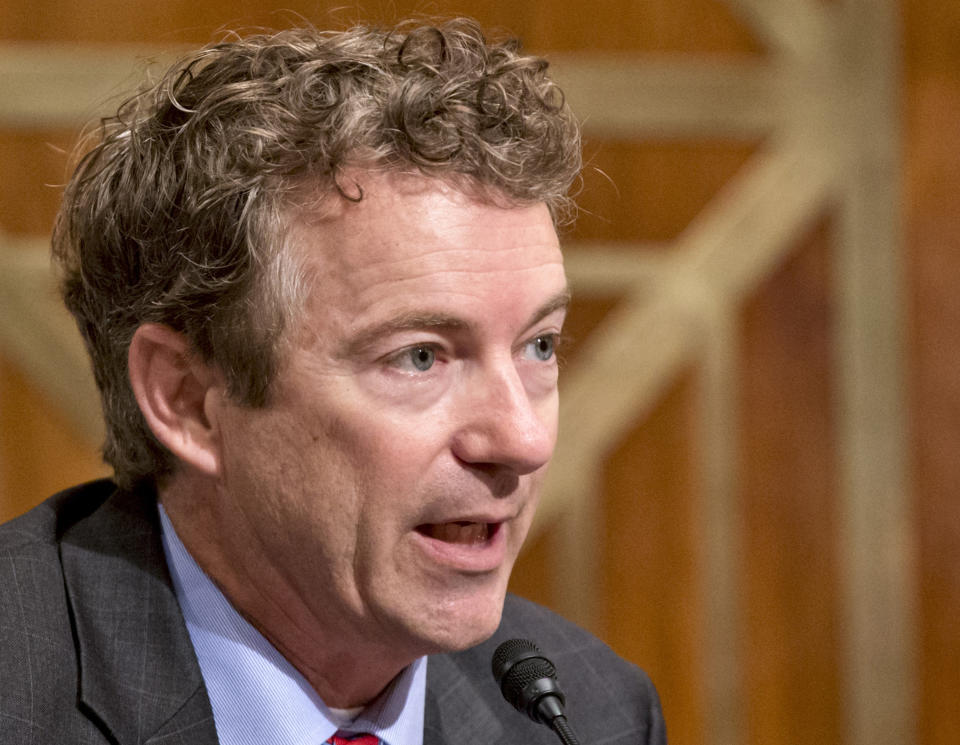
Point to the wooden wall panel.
(936, 423)
(790, 497)
(705, 26)
(932, 67)
(681, 26)
(33, 167)
(650, 191)
(40, 451)
(651, 557)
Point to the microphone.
(528, 681)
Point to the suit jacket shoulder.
(93, 647)
(609, 700)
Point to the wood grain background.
(756, 500)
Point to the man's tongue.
(457, 532)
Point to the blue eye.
(422, 358)
(542, 347)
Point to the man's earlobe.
(173, 389)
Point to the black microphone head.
(528, 680)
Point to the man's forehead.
(412, 217)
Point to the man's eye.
(542, 347)
(419, 358)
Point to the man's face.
(392, 478)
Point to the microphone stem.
(560, 726)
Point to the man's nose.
(502, 426)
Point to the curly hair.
(175, 215)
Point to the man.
(319, 279)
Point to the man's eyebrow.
(416, 320)
(412, 321)
(560, 301)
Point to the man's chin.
(460, 625)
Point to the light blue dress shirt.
(258, 698)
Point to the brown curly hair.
(175, 214)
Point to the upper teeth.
(460, 532)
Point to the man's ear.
(178, 395)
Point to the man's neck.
(259, 696)
(340, 663)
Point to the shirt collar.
(257, 696)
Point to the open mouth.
(460, 532)
(473, 547)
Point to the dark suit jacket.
(93, 648)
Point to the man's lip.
(466, 552)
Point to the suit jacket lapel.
(456, 713)
(138, 673)
(463, 703)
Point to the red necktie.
(351, 739)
